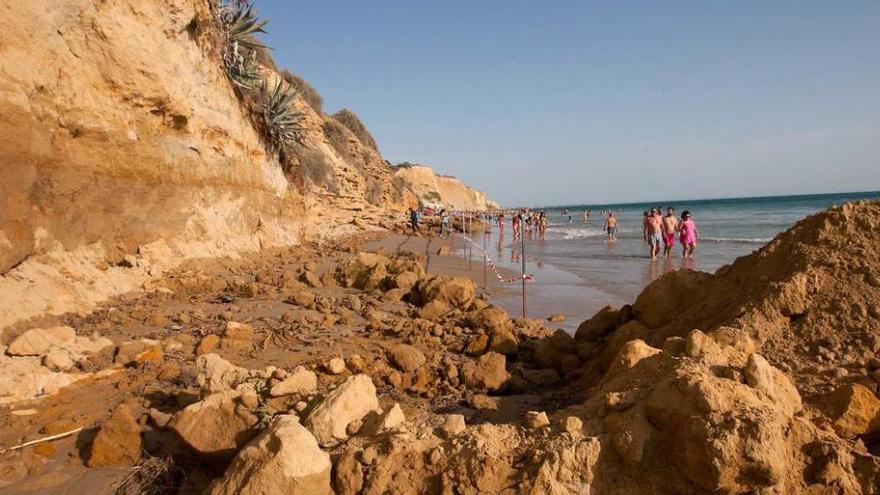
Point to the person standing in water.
(542, 224)
(670, 226)
(652, 232)
(611, 226)
(688, 235)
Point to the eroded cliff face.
(443, 189)
(123, 136)
(120, 128)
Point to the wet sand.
(553, 291)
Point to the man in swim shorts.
(611, 226)
(652, 232)
(670, 226)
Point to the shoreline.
(554, 291)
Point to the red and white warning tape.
(523, 276)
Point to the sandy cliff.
(444, 189)
(123, 136)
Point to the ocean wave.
(576, 233)
(737, 240)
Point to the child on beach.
(687, 235)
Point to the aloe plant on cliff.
(239, 24)
(280, 118)
(272, 107)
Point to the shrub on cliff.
(280, 119)
(339, 140)
(309, 93)
(350, 120)
(314, 167)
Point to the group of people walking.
(660, 229)
(527, 221)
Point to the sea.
(577, 270)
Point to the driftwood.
(41, 440)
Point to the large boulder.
(662, 299)
(600, 325)
(503, 342)
(458, 292)
(24, 377)
(551, 351)
(216, 374)
(492, 319)
(405, 281)
(629, 355)
(118, 442)
(406, 357)
(434, 310)
(364, 271)
(854, 409)
(568, 469)
(300, 381)
(285, 458)
(218, 425)
(627, 332)
(487, 372)
(728, 437)
(350, 401)
(38, 341)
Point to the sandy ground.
(194, 301)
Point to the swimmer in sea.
(610, 226)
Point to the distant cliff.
(442, 189)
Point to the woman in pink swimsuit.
(687, 235)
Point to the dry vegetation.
(350, 120)
(315, 168)
(339, 140)
(309, 93)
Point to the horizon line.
(729, 198)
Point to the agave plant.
(280, 118)
(239, 23)
(242, 67)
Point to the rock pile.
(447, 394)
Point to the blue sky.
(593, 102)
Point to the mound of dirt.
(714, 368)
(810, 299)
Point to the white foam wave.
(739, 240)
(575, 233)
